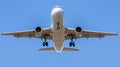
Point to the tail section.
(64, 49)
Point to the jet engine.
(38, 31)
(78, 31)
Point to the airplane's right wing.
(95, 34)
(86, 34)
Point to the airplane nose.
(57, 11)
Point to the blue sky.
(97, 15)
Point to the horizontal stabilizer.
(64, 49)
(47, 49)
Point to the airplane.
(58, 33)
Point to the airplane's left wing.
(31, 34)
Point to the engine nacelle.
(38, 31)
(78, 31)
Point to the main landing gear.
(72, 43)
(45, 43)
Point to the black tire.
(70, 44)
(43, 44)
(73, 44)
(46, 43)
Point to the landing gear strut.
(72, 43)
(45, 43)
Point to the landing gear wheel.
(72, 44)
(45, 44)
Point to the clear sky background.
(97, 15)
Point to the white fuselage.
(58, 29)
